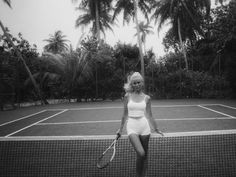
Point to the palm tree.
(69, 69)
(8, 2)
(97, 14)
(145, 29)
(130, 10)
(56, 43)
(220, 1)
(44, 101)
(184, 16)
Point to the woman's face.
(137, 85)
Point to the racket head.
(106, 158)
(108, 155)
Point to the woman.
(138, 114)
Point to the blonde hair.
(128, 86)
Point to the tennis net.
(209, 155)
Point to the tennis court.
(66, 139)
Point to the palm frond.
(8, 2)
(88, 7)
(188, 12)
(56, 60)
(127, 7)
(56, 43)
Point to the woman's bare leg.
(145, 141)
(140, 144)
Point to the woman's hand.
(159, 132)
(118, 133)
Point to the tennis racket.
(108, 155)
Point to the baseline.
(217, 111)
(111, 121)
(119, 107)
(36, 123)
(227, 106)
(22, 118)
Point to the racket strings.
(106, 158)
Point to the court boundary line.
(114, 121)
(227, 106)
(120, 107)
(217, 111)
(6, 123)
(35, 123)
(100, 137)
(97, 108)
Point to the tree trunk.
(97, 23)
(96, 82)
(124, 68)
(182, 46)
(144, 47)
(99, 43)
(139, 40)
(44, 101)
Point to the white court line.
(217, 112)
(36, 123)
(22, 118)
(97, 137)
(227, 106)
(82, 122)
(120, 107)
(89, 108)
(198, 133)
(181, 105)
(113, 121)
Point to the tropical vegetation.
(201, 66)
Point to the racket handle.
(118, 135)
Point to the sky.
(37, 19)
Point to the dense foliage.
(96, 70)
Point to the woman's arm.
(125, 115)
(149, 115)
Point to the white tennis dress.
(137, 123)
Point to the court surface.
(103, 118)
(65, 140)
